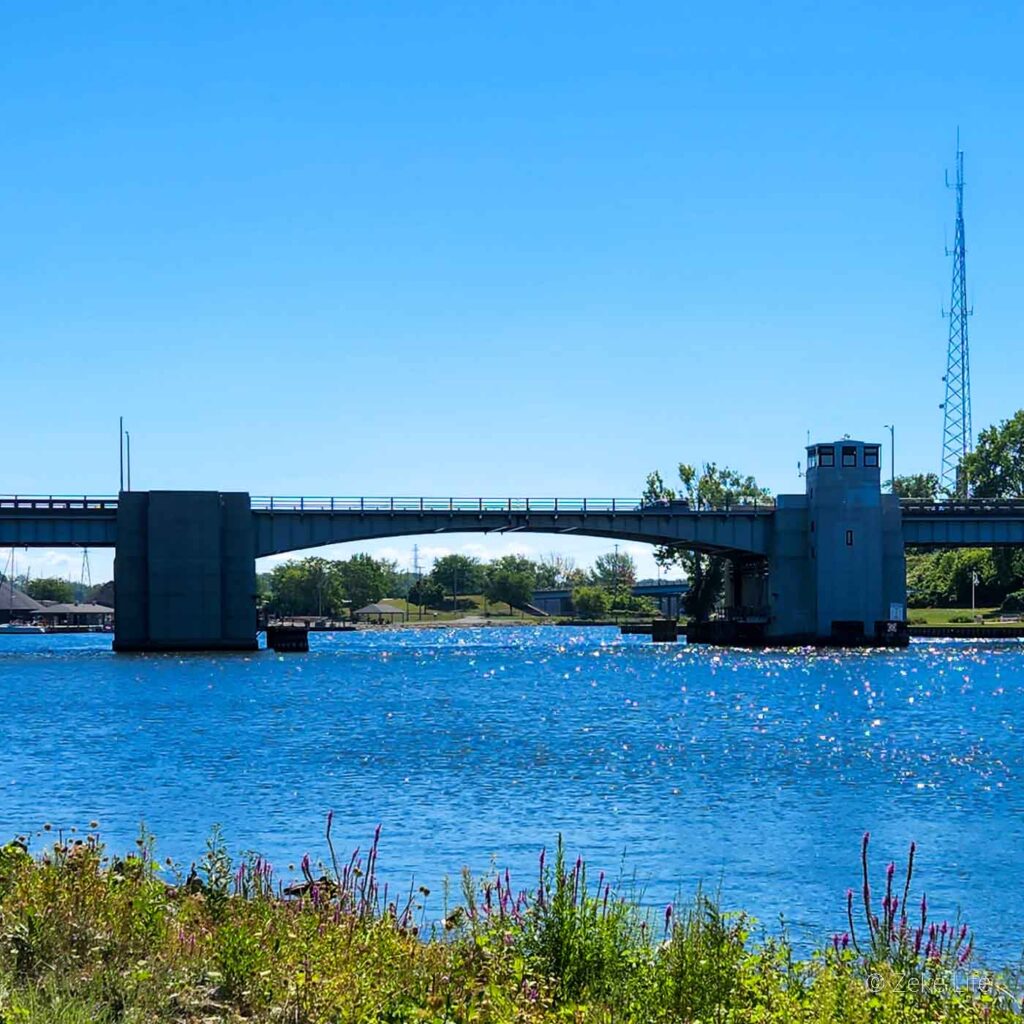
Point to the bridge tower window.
(849, 538)
(827, 455)
(849, 455)
(871, 456)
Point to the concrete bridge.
(826, 564)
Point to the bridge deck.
(292, 523)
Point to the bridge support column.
(184, 572)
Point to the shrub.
(591, 602)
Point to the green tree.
(458, 574)
(312, 586)
(511, 580)
(712, 487)
(942, 579)
(50, 588)
(625, 602)
(560, 571)
(427, 593)
(923, 486)
(591, 602)
(614, 571)
(365, 579)
(995, 469)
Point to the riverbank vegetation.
(89, 937)
(455, 585)
(991, 576)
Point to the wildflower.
(866, 892)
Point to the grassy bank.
(84, 937)
(952, 616)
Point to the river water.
(753, 772)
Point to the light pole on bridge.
(892, 457)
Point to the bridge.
(825, 564)
(285, 524)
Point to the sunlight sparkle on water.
(757, 770)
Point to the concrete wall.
(184, 572)
(792, 591)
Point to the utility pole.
(418, 573)
(957, 436)
(120, 449)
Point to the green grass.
(478, 606)
(85, 937)
(953, 616)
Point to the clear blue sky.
(503, 248)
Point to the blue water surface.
(755, 772)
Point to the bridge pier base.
(184, 572)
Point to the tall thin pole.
(120, 448)
(891, 427)
(128, 443)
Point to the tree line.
(57, 590)
(937, 579)
(330, 588)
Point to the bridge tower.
(836, 568)
(957, 437)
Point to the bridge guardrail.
(961, 506)
(58, 502)
(479, 505)
(108, 503)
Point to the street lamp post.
(892, 457)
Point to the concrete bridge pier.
(185, 572)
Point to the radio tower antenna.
(957, 436)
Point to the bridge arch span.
(280, 532)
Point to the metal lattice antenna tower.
(957, 437)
